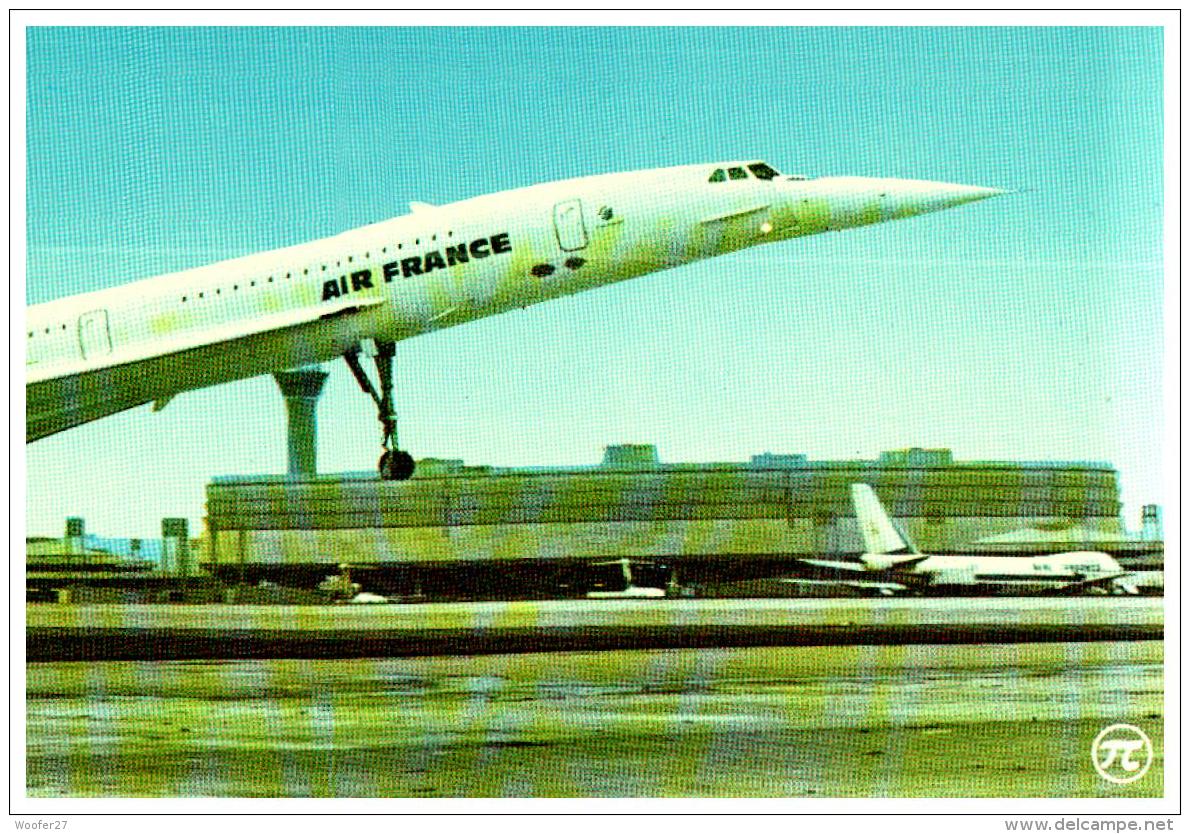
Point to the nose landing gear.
(395, 464)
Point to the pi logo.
(1122, 753)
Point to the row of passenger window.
(273, 278)
(338, 264)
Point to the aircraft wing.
(854, 567)
(909, 561)
(203, 337)
(859, 567)
(61, 395)
(858, 575)
(881, 588)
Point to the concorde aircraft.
(891, 564)
(360, 292)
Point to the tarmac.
(190, 632)
(1004, 720)
(803, 698)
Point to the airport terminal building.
(492, 526)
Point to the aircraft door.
(569, 226)
(94, 337)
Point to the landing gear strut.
(395, 464)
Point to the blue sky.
(1026, 327)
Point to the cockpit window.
(763, 171)
(737, 173)
(718, 176)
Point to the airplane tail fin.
(881, 537)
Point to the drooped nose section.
(905, 198)
(859, 201)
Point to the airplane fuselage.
(102, 352)
(893, 563)
(1055, 569)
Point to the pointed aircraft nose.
(858, 201)
(905, 198)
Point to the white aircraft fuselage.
(1053, 569)
(888, 553)
(92, 355)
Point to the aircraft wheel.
(396, 466)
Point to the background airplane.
(891, 564)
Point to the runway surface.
(838, 721)
(920, 719)
(183, 632)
